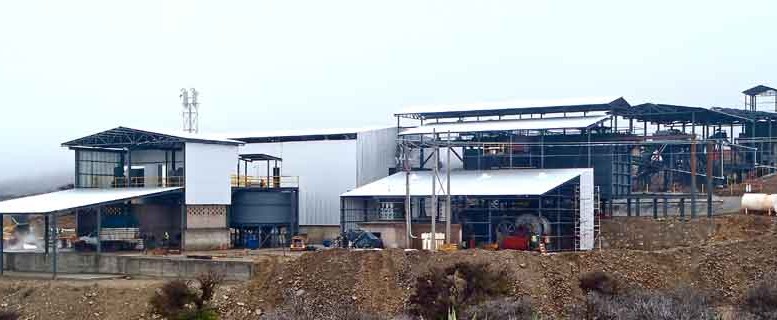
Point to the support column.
(709, 178)
(99, 229)
(54, 246)
(628, 207)
(47, 230)
(666, 207)
(183, 225)
(2, 244)
(693, 166)
(655, 208)
(637, 207)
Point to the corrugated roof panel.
(471, 183)
(512, 104)
(507, 125)
(74, 198)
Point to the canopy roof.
(674, 114)
(569, 105)
(471, 183)
(759, 89)
(122, 137)
(78, 198)
(507, 125)
(250, 157)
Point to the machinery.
(298, 244)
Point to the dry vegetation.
(725, 274)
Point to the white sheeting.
(471, 183)
(74, 198)
(509, 105)
(505, 125)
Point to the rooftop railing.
(265, 181)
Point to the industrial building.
(471, 174)
(324, 163)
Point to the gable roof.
(121, 137)
(759, 89)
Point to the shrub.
(460, 285)
(680, 304)
(177, 299)
(172, 298)
(599, 282)
(760, 301)
(501, 309)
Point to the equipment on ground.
(298, 244)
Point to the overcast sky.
(70, 68)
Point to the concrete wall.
(206, 216)
(206, 227)
(175, 267)
(207, 239)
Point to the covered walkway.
(59, 203)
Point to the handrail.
(134, 182)
(265, 181)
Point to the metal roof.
(122, 137)
(76, 199)
(301, 134)
(258, 157)
(471, 183)
(507, 125)
(759, 89)
(673, 114)
(514, 107)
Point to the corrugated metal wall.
(325, 170)
(329, 168)
(375, 154)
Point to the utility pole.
(448, 209)
(408, 211)
(435, 171)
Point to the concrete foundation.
(172, 267)
(207, 239)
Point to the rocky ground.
(723, 256)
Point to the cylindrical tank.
(756, 202)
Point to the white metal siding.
(375, 154)
(208, 169)
(587, 209)
(325, 169)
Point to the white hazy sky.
(69, 68)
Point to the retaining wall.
(173, 267)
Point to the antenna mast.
(190, 110)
